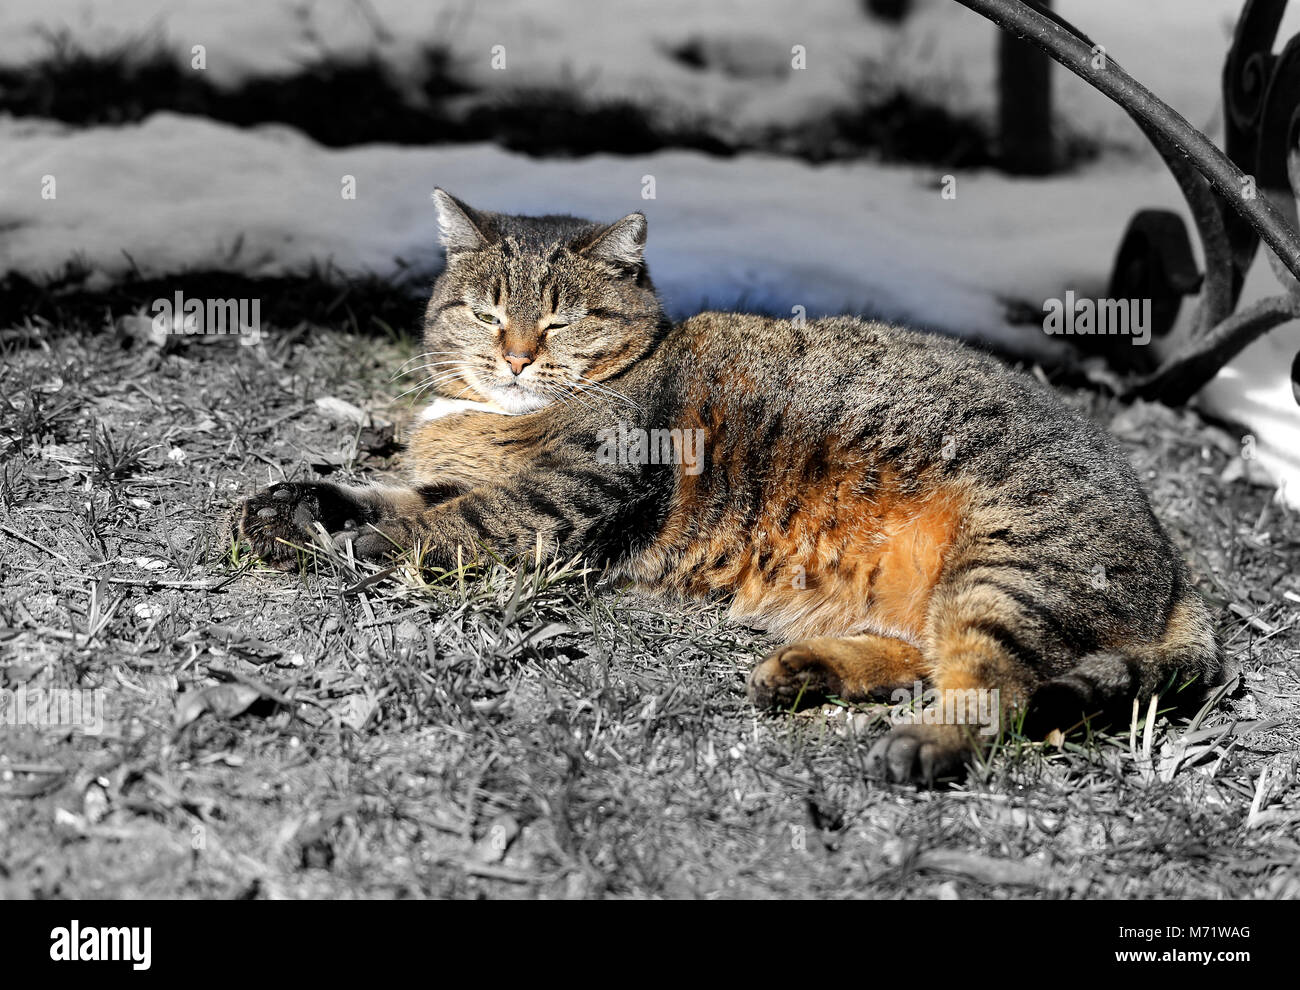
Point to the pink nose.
(518, 362)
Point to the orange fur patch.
(867, 564)
(850, 553)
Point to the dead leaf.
(986, 869)
(343, 411)
(241, 642)
(357, 709)
(496, 840)
(141, 329)
(222, 700)
(19, 673)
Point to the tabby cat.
(898, 506)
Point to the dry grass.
(503, 734)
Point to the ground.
(342, 733)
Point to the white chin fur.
(515, 401)
(505, 402)
(441, 407)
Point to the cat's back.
(841, 365)
(920, 399)
(831, 354)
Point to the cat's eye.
(556, 326)
(491, 319)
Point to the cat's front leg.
(573, 509)
(278, 520)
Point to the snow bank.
(943, 53)
(178, 193)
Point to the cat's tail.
(1181, 666)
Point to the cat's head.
(530, 310)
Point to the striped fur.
(895, 504)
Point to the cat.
(899, 506)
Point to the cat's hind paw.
(926, 755)
(792, 675)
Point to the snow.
(943, 52)
(751, 231)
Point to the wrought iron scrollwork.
(1155, 262)
(1237, 199)
(1247, 72)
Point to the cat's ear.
(463, 228)
(621, 244)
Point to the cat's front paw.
(278, 520)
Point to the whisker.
(565, 395)
(574, 391)
(590, 383)
(433, 381)
(426, 354)
(423, 367)
(598, 392)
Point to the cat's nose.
(518, 362)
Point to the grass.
(491, 732)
